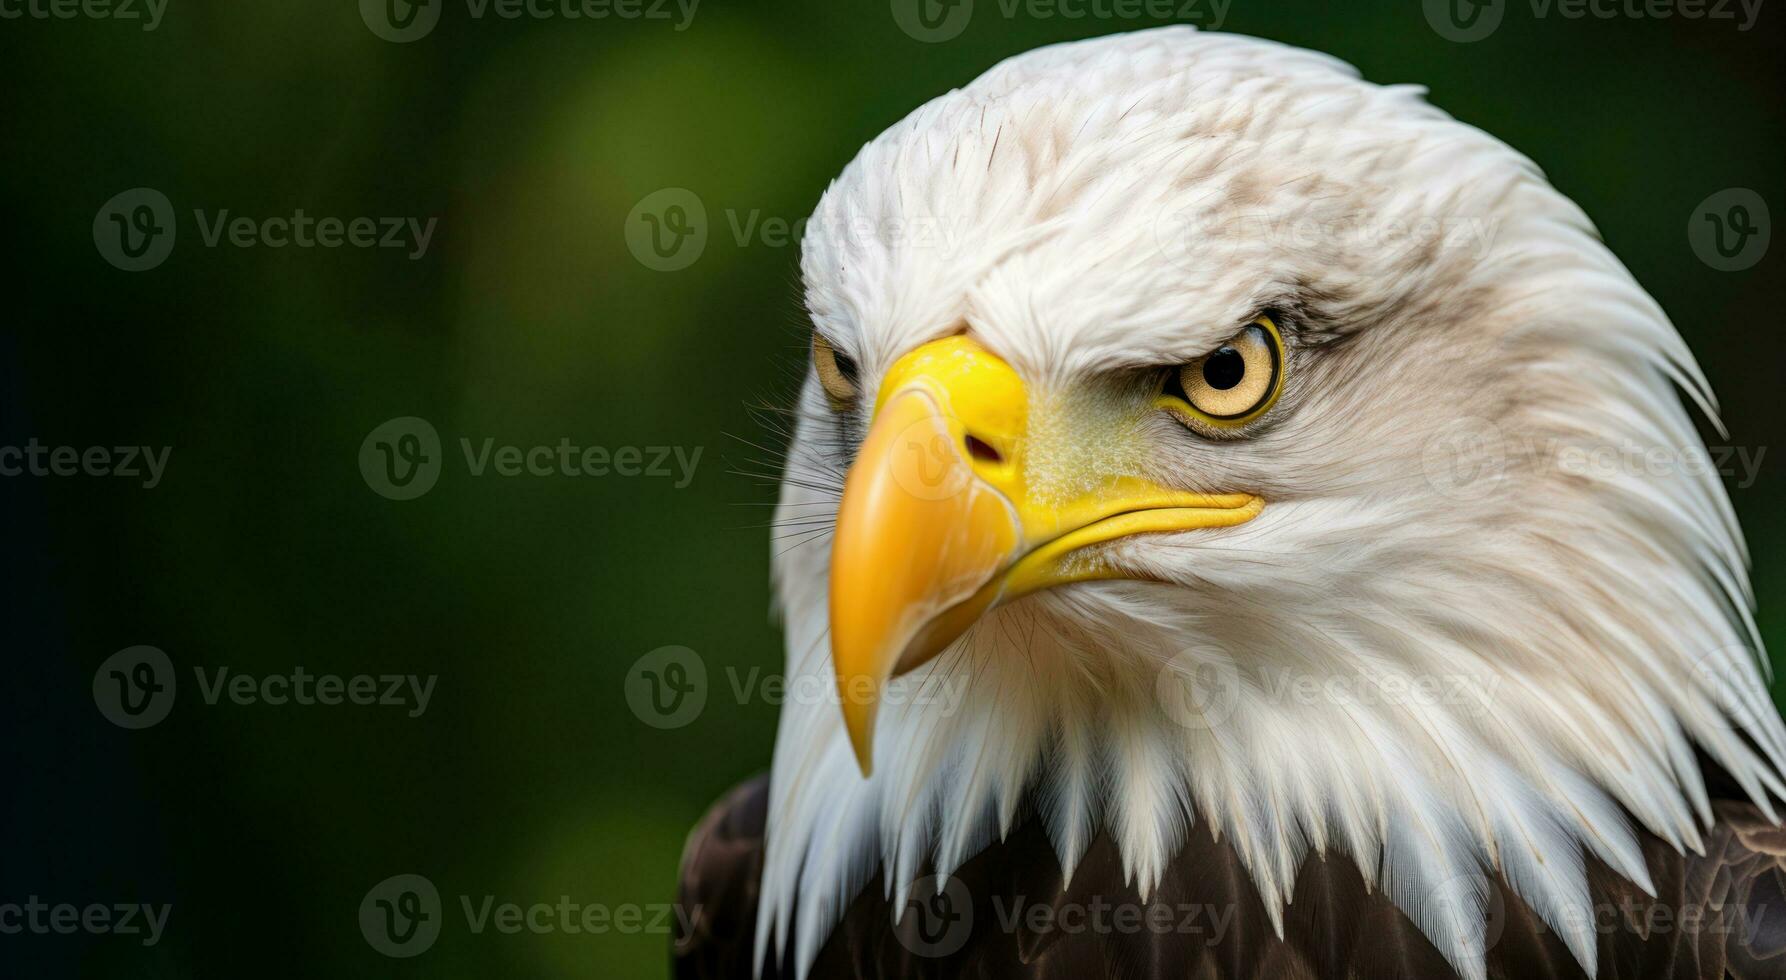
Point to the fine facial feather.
(1460, 341)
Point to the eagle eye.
(1231, 385)
(837, 373)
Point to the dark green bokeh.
(529, 321)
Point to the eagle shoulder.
(1716, 916)
(722, 868)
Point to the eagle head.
(1210, 441)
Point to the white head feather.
(1570, 631)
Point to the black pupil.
(1224, 369)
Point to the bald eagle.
(1234, 564)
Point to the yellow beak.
(938, 524)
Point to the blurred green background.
(529, 321)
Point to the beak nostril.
(982, 451)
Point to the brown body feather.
(1714, 917)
